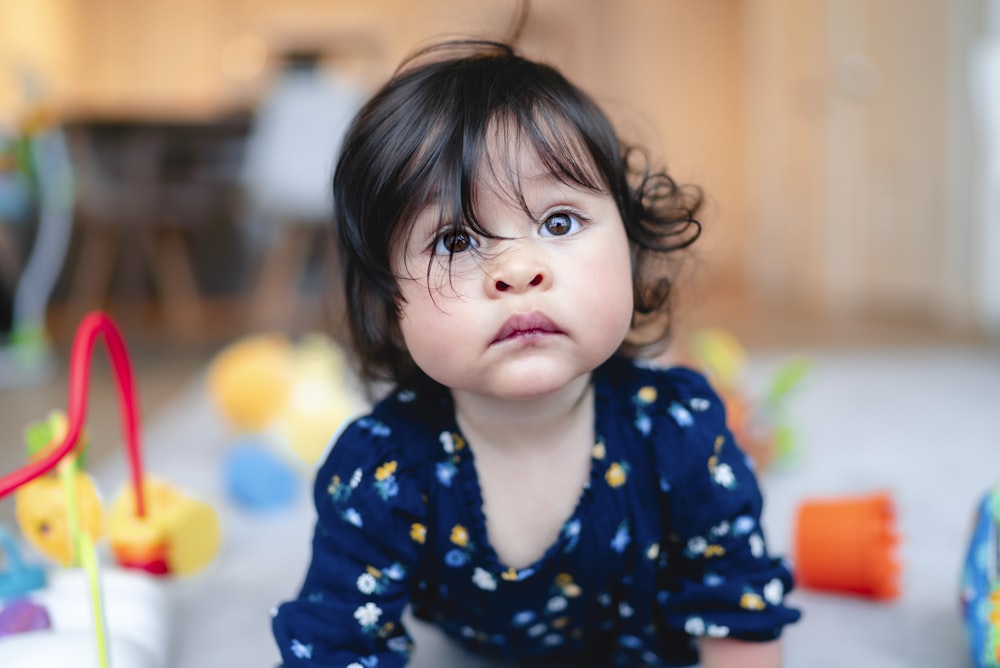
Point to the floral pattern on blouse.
(664, 546)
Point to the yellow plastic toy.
(298, 393)
(251, 379)
(760, 424)
(153, 526)
(179, 535)
(41, 506)
(320, 401)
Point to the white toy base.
(136, 611)
(59, 649)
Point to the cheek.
(415, 332)
(439, 281)
(429, 334)
(425, 320)
(610, 289)
(622, 295)
(609, 271)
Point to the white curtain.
(984, 80)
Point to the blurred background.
(843, 145)
(169, 161)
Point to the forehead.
(518, 163)
(541, 145)
(515, 168)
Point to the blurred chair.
(117, 172)
(286, 178)
(141, 186)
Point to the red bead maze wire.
(91, 327)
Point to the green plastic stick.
(85, 556)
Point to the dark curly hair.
(423, 137)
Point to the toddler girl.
(528, 484)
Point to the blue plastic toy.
(19, 578)
(981, 584)
(257, 478)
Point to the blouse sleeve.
(717, 578)
(365, 546)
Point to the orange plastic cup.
(847, 545)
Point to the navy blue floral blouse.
(664, 546)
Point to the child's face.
(523, 315)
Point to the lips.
(524, 325)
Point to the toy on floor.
(41, 505)
(760, 424)
(980, 583)
(257, 478)
(21, 615)
(847, 545)
(250, 380)
(180, 535)
(57, 605)
(284, 402)
(18, 579)
(153, 528)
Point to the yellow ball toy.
(42, 514)
(250, 380)
(321, 400)
(42, 507)
(300, 393)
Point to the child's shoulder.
(380, 465)
(405, 424)
(674, 405)
(383, 459)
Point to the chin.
(530, 381)
(518, 376)
(526, 392)
(511, 387)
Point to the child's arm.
(350, 607)
(726, 652)
(721, 583)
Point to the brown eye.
(559, 225)
(453, 242)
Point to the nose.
(516, 272)
(504, 287)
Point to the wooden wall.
(829, 134)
